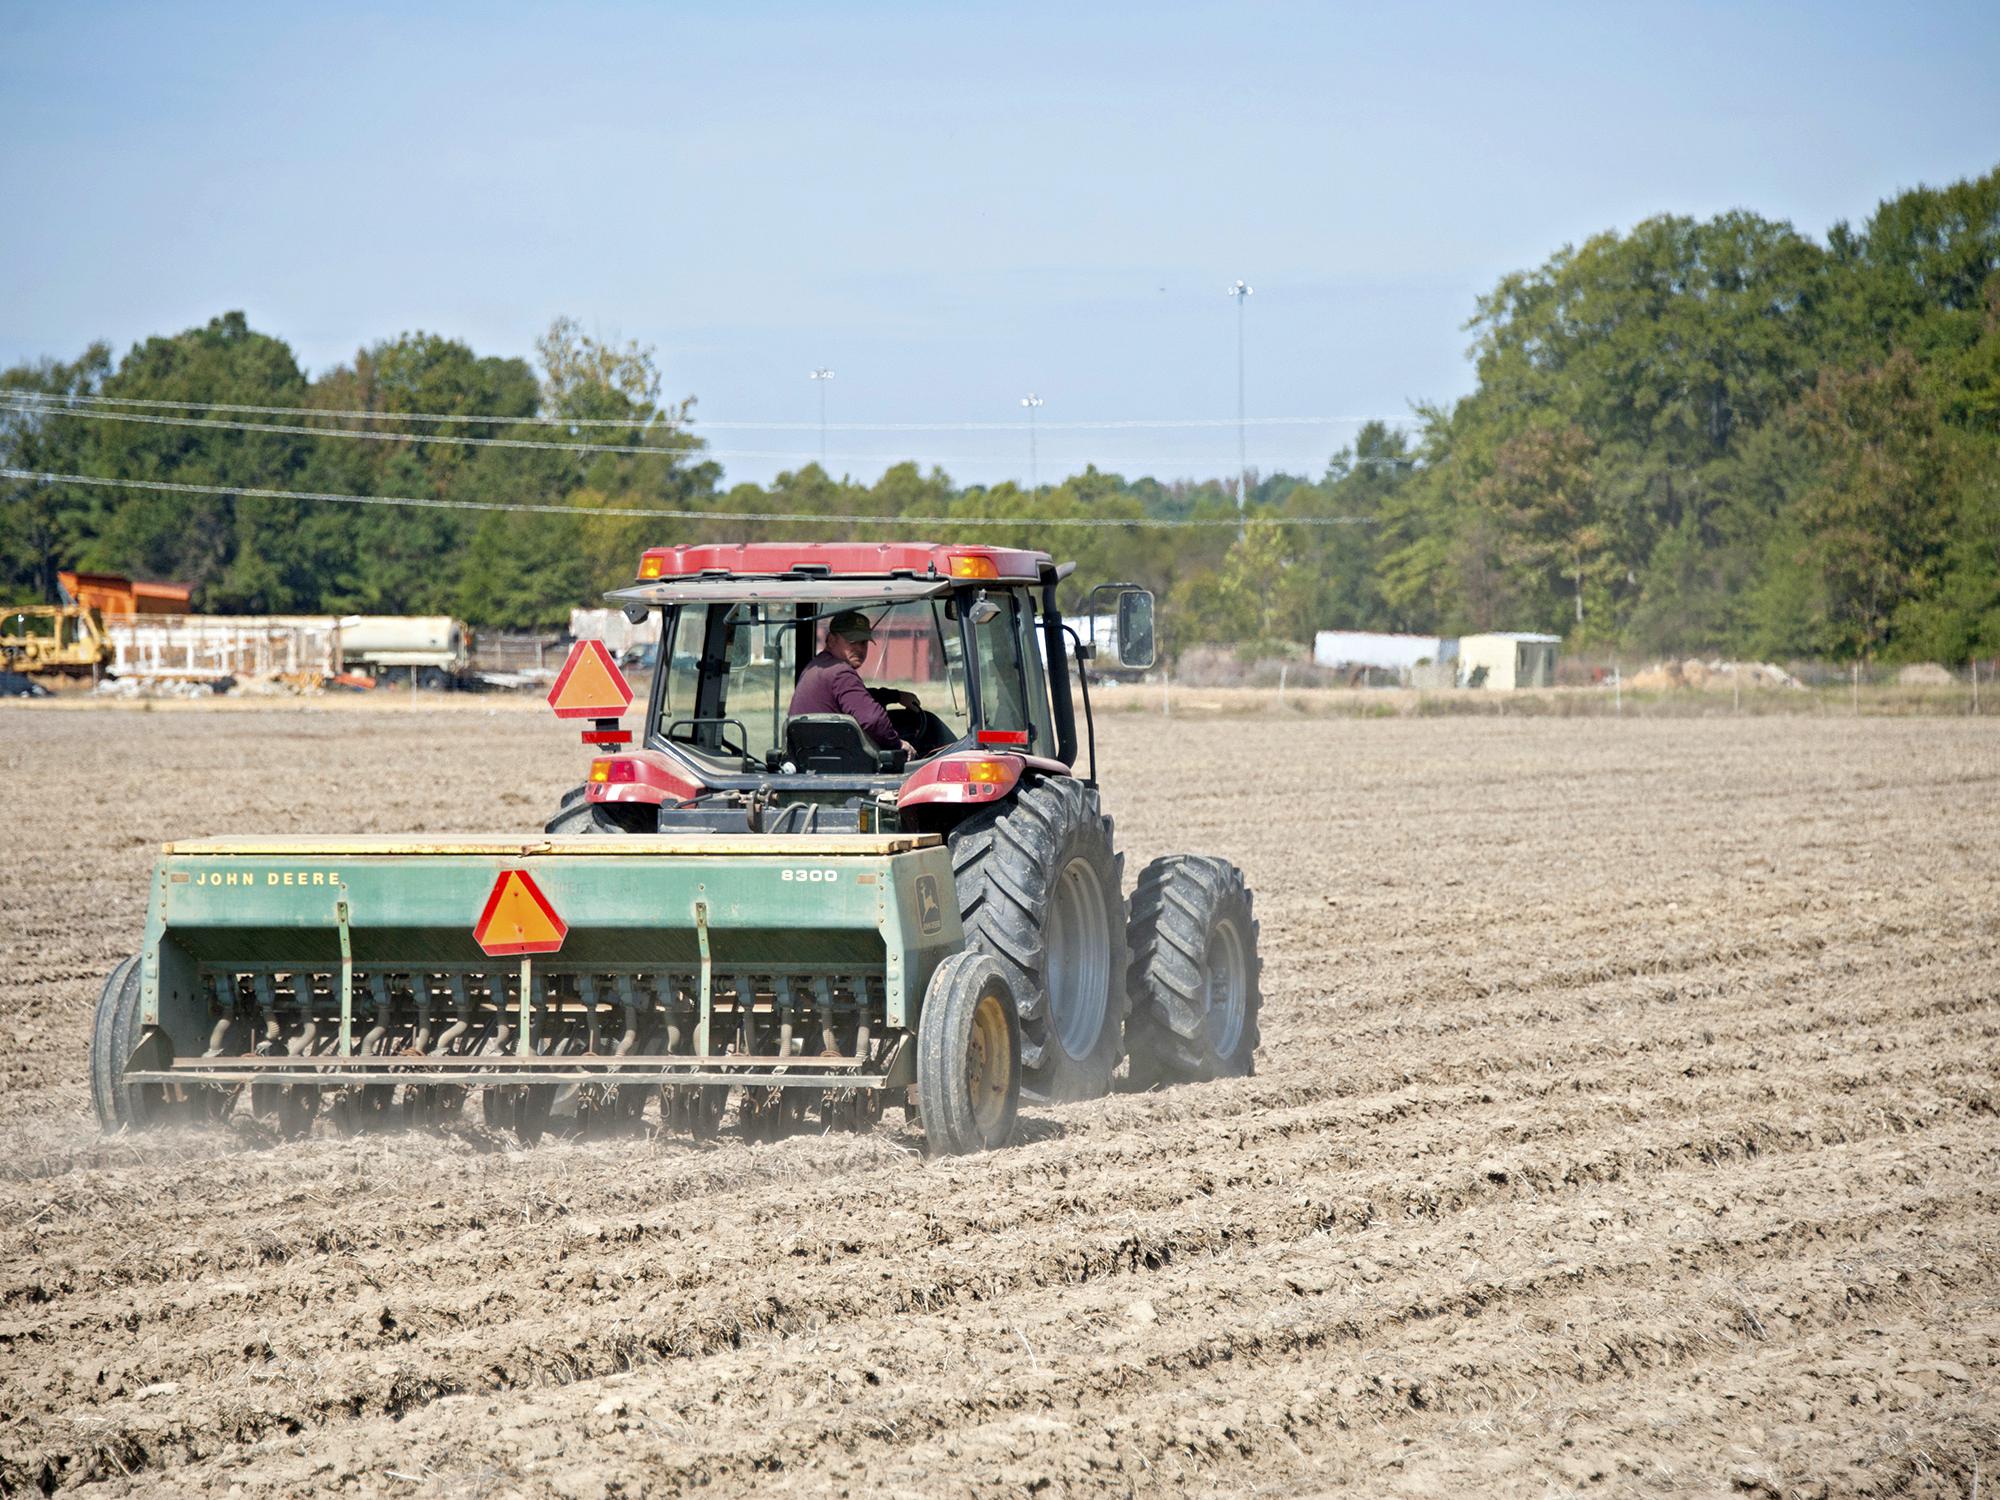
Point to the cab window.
(917, 649)
(749, 650)
(681, 636)
(729, 670)
(1013, 694)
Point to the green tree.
(1715, 432)
(47, 527)
(386, 559)
(525, 569)
(1868, 528)
(1551, 538)
(194, 538)
(1259, 596)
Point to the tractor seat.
(834, 745)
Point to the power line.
(1110, 424)
(11, 401)
(418, 502)
(364, 435)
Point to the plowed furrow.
(1936, 1069)
(1923, 1082)
(616, 1309)
(1625, 1123)
(1377, 1334)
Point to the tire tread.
(943, 1030)
(1176, 905)
(111, 1042)
(1004, 864)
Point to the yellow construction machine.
(53, 640)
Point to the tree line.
(1710, 434)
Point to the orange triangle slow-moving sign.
(518, 918)
(590, 686)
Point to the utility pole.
(1241, 291)
(1032, 401)
(820, 379)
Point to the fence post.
(1975, 686)
(1281, 684)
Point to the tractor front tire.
(1038, 890)
(1195, 973)
(968, 1056)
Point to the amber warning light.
(973, 565)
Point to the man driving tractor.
(831, 684)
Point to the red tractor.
(971, 657)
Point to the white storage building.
(1507, 659)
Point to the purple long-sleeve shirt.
(829, 685)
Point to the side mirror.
(637, 613)
(1135, 629)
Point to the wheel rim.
(1078, 943)
(1228, 989)
(989, 1066)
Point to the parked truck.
(433, 650)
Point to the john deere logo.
(930, 911)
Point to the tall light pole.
(1241, 290)
(820, 378)
(1032, 401)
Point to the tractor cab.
(968, 653)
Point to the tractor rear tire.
(579, 815)
(968, 1056)
(112, 1039)
(1195, 973)
(1038, 890)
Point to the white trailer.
(1417, 660)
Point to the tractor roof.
(853, 560)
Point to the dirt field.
(1625, 1122)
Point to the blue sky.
(948, 205)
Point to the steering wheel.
(922, 728)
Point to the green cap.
(851, 625)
